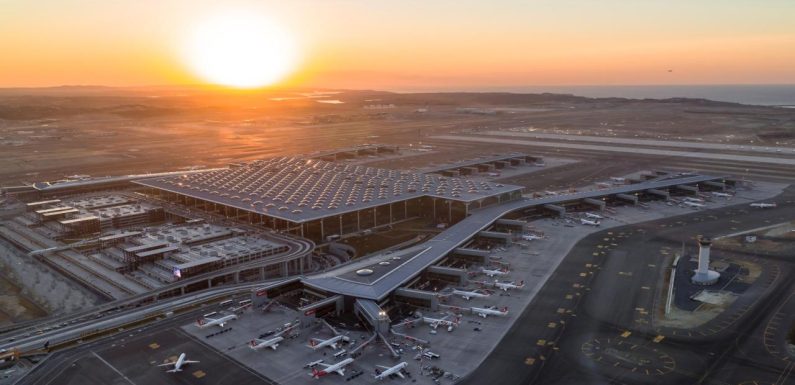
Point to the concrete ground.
(464, 348)
(134, 362)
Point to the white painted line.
(112, 367)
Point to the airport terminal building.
(321, 200)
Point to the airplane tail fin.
(504, 309)
(200, 322)
(316, 373)
(253, 343)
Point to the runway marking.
(645, 288)
(658, 338)
(552, 325)
(541, 342)
(529, 361)
(561, 310)
(569, 296)
(199, 374)
(154, 346)
(112, 367)
(626, 334)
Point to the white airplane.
(587, 222)
(272, 343)
(696, 200)
(181, 361)
(317, 343)
(721, 195)
(531, 237)
(763, 205)
(207, 321)
(485, 312)
(593, 216)
(436, 322)
(494, 272)
(505, 286)
(467, 295)
(388, 371)
(692, 204)
(338, 368)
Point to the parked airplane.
(531, 237)
(436, 322)
(593, 216)
(505, 286)
(388, 371)
(494, 272)
(467, 295)
(484, 312)
(692, 204)
(178, 364)
(721, 195)
(763, 205)
(587, 222)
(207, 321)
(272, 343)
(317, 343)
(338, 368)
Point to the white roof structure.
(299, 189)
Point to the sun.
(242, 50)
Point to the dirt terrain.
(46, 134)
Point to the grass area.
(402, 232)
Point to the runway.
(591, 323)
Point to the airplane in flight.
(505, 286)
(467, 295)
(763, 205)
(181, 361)
(588, 222)
(207, 321)
(317, 343)
(721, 195)
(485, 312)
(272, 343)
(531, 237)
(388, 371)
(494, 272)
(436, 322)
(338, 368)
(692, 204)
(593, 216)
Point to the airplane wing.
(400, 374)
(383, 367)
(340, 371)
(190, 362)
(168, 363)
(324, 365)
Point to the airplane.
(494, 272)
(619, 180)
(484, 312)
(763, 205)
(531, 237)
(467, 295)
(696, 200)
(313, 364)
(505, 286)
(593, 216)
(587, 222)
(181, 361)
(436, 322)
(692, 204)
(550, 192)
(316, 343)
(272, 343)
(338, 368)
(388, 371)
(721, 195)
(203, 322)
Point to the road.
(592, 322)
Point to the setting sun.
(241, 50)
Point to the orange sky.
(410, 44)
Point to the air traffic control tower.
(704, 276)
